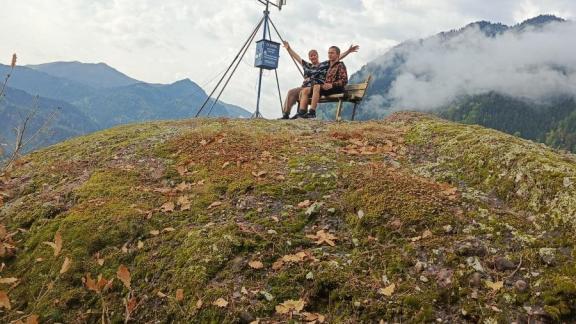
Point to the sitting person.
(314, 74)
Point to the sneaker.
(285, 116)
(299, 114)
(310, 115)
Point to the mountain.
(411, 219)
(98, 75)
(142, 101)
(67, 120)
(483, 70)
(96, 96)
(45, 85)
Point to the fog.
(534, 65)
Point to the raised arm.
(352, 49)
(292, 53)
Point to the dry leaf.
(32, 319)
(183, 186)
(155, 232)
(184, 203)
(225, 165)
(323, 237)
(220, 302)
(57, 244)
(168, 207)
(426, 234)
(305, 204)
(182, 170)
(290, 306)
(215, 204)
(8, 281)
(199, 304)
(161, 294)
(312, 317)
(124, 275)
(256, 265)
(494, 285)
(179, 295)
(140, 245)
(388, 291)
(66, 265)
(130, 306)
(278, 265)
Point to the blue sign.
(267, 54)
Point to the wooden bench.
(353, 93)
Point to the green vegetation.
(411, 219)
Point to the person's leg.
(315, 96)
(304, 98)
(291, 99)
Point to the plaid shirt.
(337, 75)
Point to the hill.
(68, 120)
(102, 95)
(409, 219)
(99, 75)
(483, 65)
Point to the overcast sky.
(164, 41)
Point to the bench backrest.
(356, 92)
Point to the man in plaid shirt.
(316, 75)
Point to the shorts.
(335, 90)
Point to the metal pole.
(266, 13)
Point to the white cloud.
(536, 65)
(165, 41)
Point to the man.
(314, 74)
(336, 80)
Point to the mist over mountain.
(476, 74)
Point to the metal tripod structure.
(266, 35)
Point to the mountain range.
(484, 73)
(90, 97)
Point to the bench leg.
(354, 110)
(339, 110)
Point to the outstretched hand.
(354, 48)
(286, 45)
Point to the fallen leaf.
(220, 302)
(388, 291)
(215, 204)
(225, 165)
(313, 317)
(426, 234)
(495, 286)
(57, 244)
(100, 262)
(168, 207)
(124, 275)
(66, 265)
(155, 232)
(161, 294)
(323, 237)
(199, 304)
(131, 305)
(32, 319)
(277, 265)
(8, 281)
(182, 170)
(168, 230)
(5, 301)
(184, 203)
(256, 265)
(360, 214)
(290, 306)
(305, 204)
(179, 295)
(140, 245)
(184, 186)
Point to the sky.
(165, 41)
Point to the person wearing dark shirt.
(315, 73)
(334, 83)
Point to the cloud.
(536, 65)
(162, 42)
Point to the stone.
(503, 264)
(520, 286)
